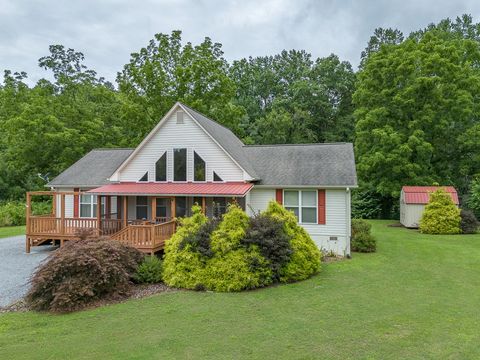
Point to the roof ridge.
(103, 149)
(206, 117)
(302, 144)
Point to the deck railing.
(147, 236)
(48, 225)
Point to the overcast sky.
(107, 31)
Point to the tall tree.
(167, 71)
(415, 103)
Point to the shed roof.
(93, 169)
(421, 194)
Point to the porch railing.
(148, 236)
(48, 225)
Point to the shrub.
(183, 265)
(200, 240)
(305, 258)
(441, 215)
(233, 267)
(149, 271)
(362, 239)
(12, 213)
(268, 234)
(468, 223)
(81, 273)
(473, 201)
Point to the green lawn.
(11, 231)
(418, 297)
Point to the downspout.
(348, 216)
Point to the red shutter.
(321, 206)
(279, 196)
(75, 203)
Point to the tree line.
(411, 108)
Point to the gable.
(169, 135)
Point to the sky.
(108, 31)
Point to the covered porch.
(140, 215)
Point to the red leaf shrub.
(81, 273)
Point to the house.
(134, 195)
(413, 200)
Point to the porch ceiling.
(171, 189)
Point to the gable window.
(161, 168)
(303, 203)
(88, 206)
(216, 177)
(198, 168)
(142, 207)
(179, 164)
(144, 178)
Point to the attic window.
(144, 178)
(216, 177)
(179, 117)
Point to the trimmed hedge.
(239, 252)
(441, 215)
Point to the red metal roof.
(420, 194)
(206, 189)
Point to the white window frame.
(193, 167)
(92, 204)
(300, 205)
(187, 159)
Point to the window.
(179, 117)
(142, 207)
(216, 177)
(179, 164)
(303, 203)
(198, 168)
(163, 206)
(88, 206)
(219, 206)
(144, 178)
(180, 206)
(161, 168)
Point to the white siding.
(412, 214)
(68, 203)
(187, 135)
(338, 218)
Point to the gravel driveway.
(16, 267)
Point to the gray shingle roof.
(93, 169)
(227, 140)
(308, 164)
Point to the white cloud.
(108, 31)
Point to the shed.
(413, 200)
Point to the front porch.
(141, 221)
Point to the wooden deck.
(146, 237)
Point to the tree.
(473, 201)
(414, 104)
(380, 37)
(166, 71)
(441, 215)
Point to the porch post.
(62, 214)
(54, 205)
(154, 208)
(125, 211)
(173, 207)
(27, 223)
(204, 205)
(99, 213)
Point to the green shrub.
(469, 223)
(81, 273)
(183, 266)
(305, 258)
(149, 271)
(268, 234)
(362, 239)
(199, 240)
(441, 215)
(41, 207)
(473, 201)
(12, 213)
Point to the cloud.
(108, 31)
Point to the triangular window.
(216, 177)
(144, 178)
(198, 167)
(161, 168)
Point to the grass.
(11, 231)
(418, 297)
